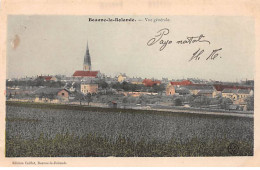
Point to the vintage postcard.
(128, 89)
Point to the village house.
(136, 80)
(244, 93)
(89, 87)
(170, 90)
(150, 83)
(237, 94)
(171, 87)
(240, 98)
(48, 94)
(53, 78)
(230, 93)
(207, 93)
(207, 90)
(182, 91)
(44, 78)
(121, 78)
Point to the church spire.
(87, 60)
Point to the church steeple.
(87, 61)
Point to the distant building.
(83, 74)
(195, 88)
(207, 93)
(136, 81)
(89, 87)
(237, 94)
(49, 94)
(170, 90)
(87, 61)
(150, 83)
(181, 83)
(86, 72)
(47, 78)
(221, 87)
(229, 93)
(182, 91)
(121, 78)
(44, 78)
(244, 93)
(54, 78)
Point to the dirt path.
(207, 112)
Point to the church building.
(87, 70)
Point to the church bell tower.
(87, 61)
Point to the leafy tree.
(250, 103)
(189, 98)
(125, 86)
(51, 96)
(133, 87)
(178, 102)
(79, 97)
(103, 84)
(42, 95)
(225, 103)
(116, 86)
(158, 88)
(89, 98)
(39, 82)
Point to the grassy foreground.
(96, 146)
(98, 109)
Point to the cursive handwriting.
(196, 55)
(214, 54)
(158, 38)
(191, 40)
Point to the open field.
(58, 130)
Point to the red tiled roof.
(85, 74)
(149, 82)
(181, 83)
(47, 78)
(221, 87)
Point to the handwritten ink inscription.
(160, 38)
(214, 54)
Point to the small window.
(62, 94)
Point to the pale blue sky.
(56, 45)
